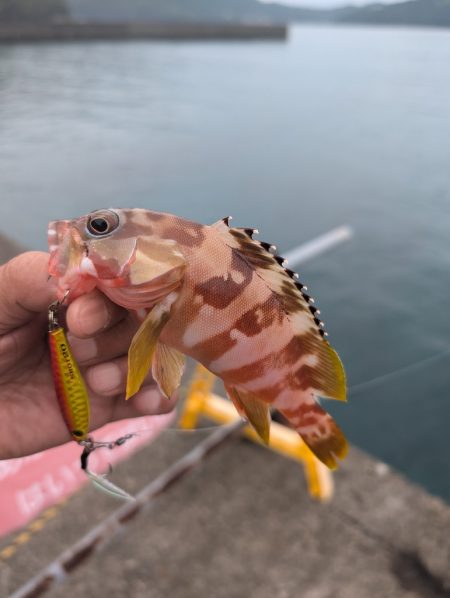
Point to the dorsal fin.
(270, 267)
(297, 305)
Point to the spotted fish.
(218, 295)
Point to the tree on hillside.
(32, 10)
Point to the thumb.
(24, 289)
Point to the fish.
(214, 293)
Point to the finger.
(24, 289)
(92, 313)
(15, 348)
(110, 379)
(108, 345)
(148, 401)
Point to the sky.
(332, 3)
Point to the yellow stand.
(201, 401)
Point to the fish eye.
(102, 223)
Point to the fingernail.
(83, 349)
(104, 378)
(94, 315)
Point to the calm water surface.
(336, 126)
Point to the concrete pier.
(242, 524)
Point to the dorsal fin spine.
(291, 273)
(279, 259)
(268, 246)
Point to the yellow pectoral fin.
(256, 411)
(167, 368)
(142, 348)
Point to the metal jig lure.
(73, 400)
(70, 388)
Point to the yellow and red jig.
(70, 388)
(73, 398)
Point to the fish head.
(111, 250)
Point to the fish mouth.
(68, 262)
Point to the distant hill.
(412, 12)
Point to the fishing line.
(416, 365)
(179, 430)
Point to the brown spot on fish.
(299, 345)
(251, 323)
(244, 373)
(269, 393)
(239, 265)
(293, 350)
(258, 317)
(220, 292)
(306, 377)
(303, 409)
(214, 347)
(250, 371)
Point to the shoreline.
(24, 32)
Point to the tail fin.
(319, 431)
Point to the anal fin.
(256, 411)
(167, 368)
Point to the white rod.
(319, 245)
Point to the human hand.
(100, 333)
